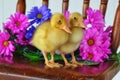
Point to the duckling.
(50, 35)
(76, 25)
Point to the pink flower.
(92, 38)
(67, 14)
(6, 25)
(105, 47)
(92, 55)
(6, 46)
(21, 38)
(18, 22)
(6, 59)
(95, 19)
(95, 45)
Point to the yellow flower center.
(90, 42)
(90, 56)
(17, 23)
(5, 43)
(39, 16)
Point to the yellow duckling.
(76, 25)
(49, 36)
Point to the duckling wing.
(39, 39)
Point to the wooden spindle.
(85, 7)
(103, 6)
(21, 6)
(45, 2)
(116, 31)
(65, 5)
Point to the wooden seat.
(24, 70)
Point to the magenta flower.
(6, 25)
(6, 59)
(6, 46)
(67, 14)
(95, 19)
(95, 45)
(21, 38)
(92, 55)
(92, 38)
(18, 22)
(105, 47)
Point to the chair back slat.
(65, 5)
(103, 6)
(45, 2)
(116, 31)
(85, 7)
(21, 6)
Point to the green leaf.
(118, 57)
(115, 57)
(32, 57)
(56, 57)
(90, 63)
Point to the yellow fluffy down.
(77, 33)
(74, 41)
(49, 39)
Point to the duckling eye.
(59, 22)
(75, 18)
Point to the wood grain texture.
(103, 6)
(24, 70)
(65, 5)
(45, 2)
(21, 6)
(85, 7)
(116, 31)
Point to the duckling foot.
(70, 65)
(74, 60)
(49, 65)
(55, 64)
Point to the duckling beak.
(82, 25)
(65, 28)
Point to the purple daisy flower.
(30, 32)
(6, 46)
(21, 38)
(18, 22)
(39, 15)
(95, 19)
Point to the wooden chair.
(22, 70)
